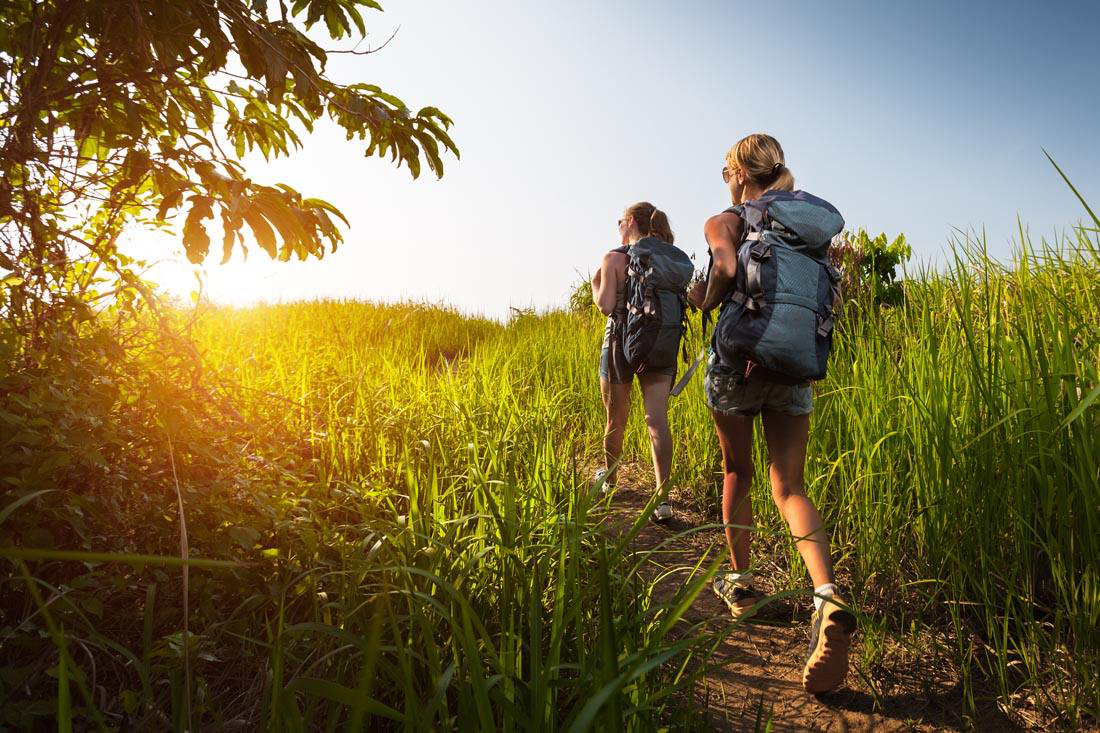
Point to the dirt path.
(757, 674)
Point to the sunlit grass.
(418, 542)
(952, 452)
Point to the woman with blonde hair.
(640, 288)
(770, 275)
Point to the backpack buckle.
(760, 251)
(745, 301)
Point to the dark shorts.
(729, 393)
(616, 369)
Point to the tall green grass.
(417, 545)
(954, 452)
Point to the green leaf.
(1081, 406)
(196, 241)
(24, 553)
(245, 536)
(170, 201)
(263, 232)
(343, 695)
(322, 204)
(7, 511)
(1095, 218)
(64, 701)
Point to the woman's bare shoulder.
(615, 258)
(720, 227)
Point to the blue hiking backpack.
(657, 277)
(778, 322)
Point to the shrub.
(869, 267)
(580, 300)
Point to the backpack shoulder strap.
(755, 216)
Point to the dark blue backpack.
(657, 276)
(778, 322)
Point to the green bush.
(580, 299)
(869, 267)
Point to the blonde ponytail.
(761, 157)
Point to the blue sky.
(916, 118)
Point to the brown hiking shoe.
(740, 597)
(831, 633)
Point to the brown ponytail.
(651, 221)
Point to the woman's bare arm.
(605, 282)
(723, 233)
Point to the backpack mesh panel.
(797, 274)
(783, 345)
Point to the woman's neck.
(751, 192)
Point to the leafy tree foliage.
(123, 112)
(135, 113)
(869, 267)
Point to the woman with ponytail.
(737, 390)
(645, 227)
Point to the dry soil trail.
(757, 675)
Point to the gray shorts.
(615, 368)
(729, 393)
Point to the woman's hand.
(696, 292)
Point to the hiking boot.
(663, 513)
(741, 597)
(599, 480)
(831, 633)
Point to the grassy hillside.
(404, 494)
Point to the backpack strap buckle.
(759, 252)
(745, 301)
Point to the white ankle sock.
(827, 589)
(743, 577)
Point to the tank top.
(618, 315)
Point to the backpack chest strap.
(752, 303)
(759, 252)
(791, 299)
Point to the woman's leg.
(616, 400)
(787, 436)
(655, 393)
(735, 439)
(833, 625)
